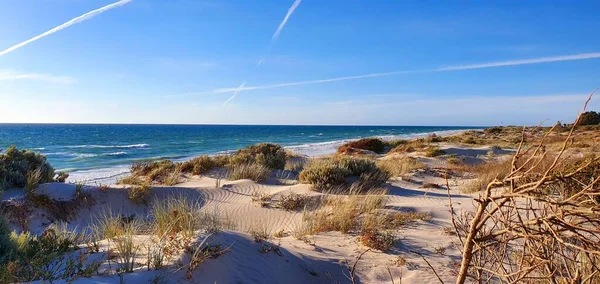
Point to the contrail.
(273, 38)
(582, 56)
(229, 90)
(523, 62)
(235, 92)
(287, 16)
(73, 21)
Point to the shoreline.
(110, 175)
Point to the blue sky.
(179, 61)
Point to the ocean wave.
(111, 146)
(74, 155)
(117, 154)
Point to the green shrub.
(272, 156)
(371, 144)
(325, 174)
(253, 171)
(16, 165)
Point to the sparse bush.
(149, 172)
(295, 164)
(377, 239)
(434, 152)
(493, 130)
(17, 165)
(253, 171)
(175, 215)
(410, 146)
(28, 258)
(271, 156)
(261, 198)
(201, 164)
(293, 201)
(399, 166)
(140, 194)
(431, 185)
(326, 174)
(370, 144)
(469, 140)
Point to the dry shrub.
(253, 171)
(542, 228)
(370, 144)
(431, 185)
(149, 172)
(377, 239)
(293, 201)
(410, 146)
(399, 166)
(434, 152)
(261, 198)
(198, 165)
(295, 164)
(140, 194)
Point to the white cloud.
(8, 75)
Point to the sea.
(101, 153)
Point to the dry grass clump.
(203, 164)
(410, 146)
(485, 174)
(327, 174)
(175, 215)
(431, 185)
(434, 152)
(261, 198)
(370, 144)
(342, 213)
(399, 166)
(253, 171)
(295, 164)
(270, 156)
(293, 201)
(149, 172)
(140, 194)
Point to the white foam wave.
(117, 154)
(111, 146)
(74, 155)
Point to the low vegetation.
(253, 171)
(17, 166)
(331, 173)
(370, 144)
(399, 166)
(270, 156)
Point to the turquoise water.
(98, 151)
